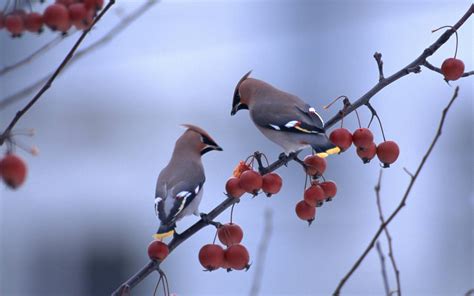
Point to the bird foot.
(209, 221)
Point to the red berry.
(230, 234)
(33, 22)
(315, 165)
(251, 181)
(94, 4)
(388, 152)
(233, 188)
(367, 154)
(452, 69)
(342, 138)
(362, 138)
(329, 188)
(305, 211)
(86, 22)
(13, 170)
(237, 257)
(14, 24)
(314, 195)
(77, 12)
(158, 250)
(56, 17)
(271, 183)
(211, 256)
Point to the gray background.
(82, 222)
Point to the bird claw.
(208, 221)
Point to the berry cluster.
(245, 179)
(363, 139)
(60, 16)
(13, 170)
(317, 192)
(234, 257)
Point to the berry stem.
(374, 114)
(455, 33)
(157, 285)
(358, 118)
(232, 213)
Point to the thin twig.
(384, 269)
(50, 81)
(469, 293)
(378, 59)
(35, 54)
(262, 252)
(436, 69)
(413, 67)
(115, 31)
(391, 255)
(402, 202)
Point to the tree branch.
(413, 67)
(384, 269)
(387, 234)
(50, 81)
(402, 202)
(116, 30)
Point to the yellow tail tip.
(160, 236)
(329, 152)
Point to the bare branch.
(469, 293)
(413, 67)
(378, 59)
(115, 31)
(436, 69)
(387, 234)
(50, 81)
(384, 269)
(402, 202)
(262, 251)
(35, 54)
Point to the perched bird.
(179, 186)
(282, 117)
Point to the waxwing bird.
(179, 188)
(282, 117)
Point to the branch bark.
(403, 201)
(413, 67)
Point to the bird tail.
(164, 231)
(323, 146)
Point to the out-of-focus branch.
(436, 69)
(469, 293)
(413, 67)
(387, 234)
(35, 54)
(5, 135)
(384, 269)
(262, 251)
(115, 31)
(403, 201)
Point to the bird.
(179, 187)
(283, 118)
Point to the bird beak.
(218, 148)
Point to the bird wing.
(174, 194)
(289, 117)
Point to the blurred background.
(81, 223)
